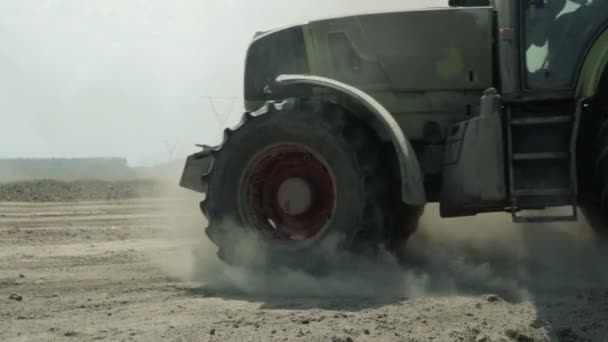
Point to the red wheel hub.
(288, 192)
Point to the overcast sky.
(128, 77)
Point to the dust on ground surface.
(142, 270)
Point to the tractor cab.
(550, 57)
(543, 43)
(555, 36)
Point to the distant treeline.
(109, 169)
(68, 169)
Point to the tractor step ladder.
(542, 163)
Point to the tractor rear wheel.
(601, 165)
(296, 185)
(594, 171)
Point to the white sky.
(127, 77)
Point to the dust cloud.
(490, 253)
(487, 254)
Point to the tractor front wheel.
(299, 184)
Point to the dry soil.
(141, 270)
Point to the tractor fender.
(412, 186)
(594, 66)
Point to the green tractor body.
(479, 108)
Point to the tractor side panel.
(427, 50)
(428, 68)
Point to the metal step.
(544, 219)
(538, 197)
(541, 156)
(542, 192)
(541, 120)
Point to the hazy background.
(129, 78)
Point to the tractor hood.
(442, 49)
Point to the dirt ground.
(141, 270)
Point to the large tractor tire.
(601, 166)
(594, 170)
(298, 185)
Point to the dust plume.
(489, 252)
(192, 257)
(468, 256)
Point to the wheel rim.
(288, 192)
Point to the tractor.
(354, 124)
